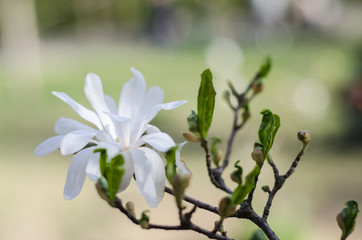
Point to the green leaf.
(346, 219)
(115, 175)
(269, 126)
(171, 163)
(243, 190)
(205, 103)
(265, 68)
(103, 165)
(258, 235)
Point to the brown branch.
(279, 182)
(195, 202)
(184, 226)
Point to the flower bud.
(304, 136)
(144, 221)
(131, 208)
(193, 122)
(257, 87)
(217, 156)
(179, 184)
(190, 137)
(257, 156)
(265, 188)
(245, 115)
(235, 177)
(102, 188)
(226, 207)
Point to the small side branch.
(279, 182)
(185, 226)
(195, 202)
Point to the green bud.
(226, 207)
(179, 184)
(236, 175)
(190, 137)
(257, 87)
(245, 115)
(193, 122)
(346, 219)
(131, 208)
(102, 188)
(144, 221)
(265, 188)
(304, 137)
(257, 156)
(216, 154)
(258, 235)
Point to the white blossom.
(124, 130)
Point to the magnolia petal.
(112, 148)
(154, 96)
(129, 171)
(150, 175)
(132, 95)
(180, 164)
(111, 104)
(48, 146)
(94, 91)
(76, 140)
(123, 129)
(67, 125)
(140, 125)
(82, 111)
(160, 141)
(152, 129)
(76, 174)
(93, 170)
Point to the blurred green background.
(315, 84)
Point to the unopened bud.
(257, 87)
(245, 115)
(131, 208)
(190, 137)
(257, 156)
(265, 188)
(235, 177)
(304, 136)
(102, 188)
(192, 121)
(226, 207)
(179, 183)
(218, 156)
(144, 221)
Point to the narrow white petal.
(112, 148)
(94, 91)
(127, 177)
(140, 125)
(76, 140)
(93, 170)
(160, 141)
(76, 174)
(152, 129)
(48, 146)
(82, 111)
(123, 129)
(154, 96)
(150, 175)
(180, 164)
(67, 125)
(132, 96)
(111, 104)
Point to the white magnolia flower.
(119, 130)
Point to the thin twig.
(279, 182)
(195, 202)
(190, 226)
